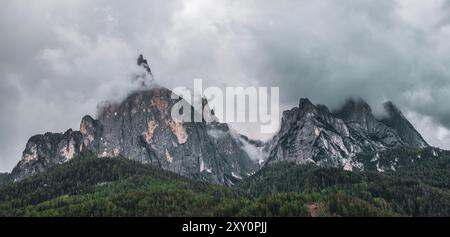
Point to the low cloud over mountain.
(58, 60)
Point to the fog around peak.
(60, 59)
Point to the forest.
(95, 187)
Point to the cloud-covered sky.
(59, 59)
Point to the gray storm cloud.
(59, 59)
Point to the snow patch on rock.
(203, 167)
(235, 175)
(169, 158)
(380, 169)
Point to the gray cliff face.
(395, 119)
(312, 134)
(141, 128)
(44, 151)
(358, 116)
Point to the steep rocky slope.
(313, 134)
(141, 128)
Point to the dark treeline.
(120, 187)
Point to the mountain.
(134, 159)
(313, 134)
(141, 128)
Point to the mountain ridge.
(313, 134)
(141, 128)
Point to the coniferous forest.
(92, 187)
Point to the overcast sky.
(59, 59)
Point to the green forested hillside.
(429, 165)
(120, 187)
(417, 189)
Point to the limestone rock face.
(312, 134)
(44, 151)
(404, 128)
(141, 128)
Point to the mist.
(59, 60)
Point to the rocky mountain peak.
(141, 61)
(358, 115)
(145, 78)
(357, 111)
(305, 103)
(141, 128)
(311, 133)
(395, 119)
(392, 112)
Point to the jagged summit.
(312, 134)
(305, 135)
(145, 78)
(395, 119)
(392, 127)
(355, 110)
(358, 115)
(141, 128)
(141, 61)
(305, 102)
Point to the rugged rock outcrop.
(312, 134)
(44, 151)
(141, 61)
(395, 119)
(141, 128)
(358, 115)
